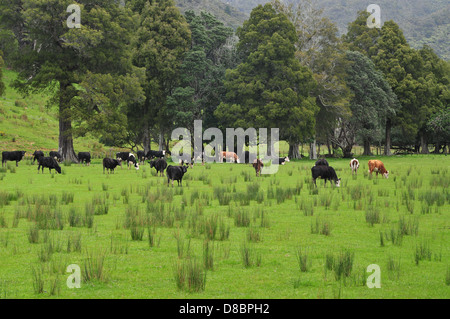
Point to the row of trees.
(133, 73)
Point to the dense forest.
(133, 73)
(423, 22)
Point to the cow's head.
(58, 169)
(338, 182)
(286, 159)
(386, 175)
(152, 164)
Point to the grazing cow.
(281, 160)
(229, 155)
(176, 173)
(110, 164)
(326, 173)
(56, 155)
(160, 165)
(37, 155)
(84, 157)
(257, 164)
(141, 156)
(354, 164)
(128, 158)
(152, 154)
(321, 161)
(12, 156)
(378, 167)
(50, 163)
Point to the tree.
(319, 48)
(162, 39)
(269, 88)
(202, 72)
(439, 127)
(372, 100)
(58, 59)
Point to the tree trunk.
(367, 151)
(294, 152)
(329, 146)
(423, 144)
(388, 143)
(161, 140)
(347, 151)
(146, 140)
(65, 126)
(312, 150)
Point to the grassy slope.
(145, 272)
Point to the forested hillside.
(228, 14)
(423, 22)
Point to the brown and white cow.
(228, 155)
(378, 167)
(257, 165)
(354, 164)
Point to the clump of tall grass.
(422, 252)
(93, 266)
(408, 227)
(75, 219)
(208, 255)
(67, 198)
(320, 226)
(74, 243)
(372, 215)
(343, 264)
(190, 275)
(254, 235)
(393, 266)
(249, 257)
(33, 235)
(241, 218)
(38, 279)
(183, 248)
(304, 262)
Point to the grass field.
(226, 233)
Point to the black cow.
(37, 155)
(176, 173)
(50, 163)
(159, 164)
(321, 161)
(110, 164)
(282, 160)
(84, 157)
(56, 155)
(12, 156)
(152, 154)
(141, 156)
(129, 158)
(326, 173)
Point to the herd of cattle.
(321, 169)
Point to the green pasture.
(226, 233)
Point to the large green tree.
(202, 72)
(371, 103)
(162, 39)
(270, 88)
(57, 58)
(319, 48)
